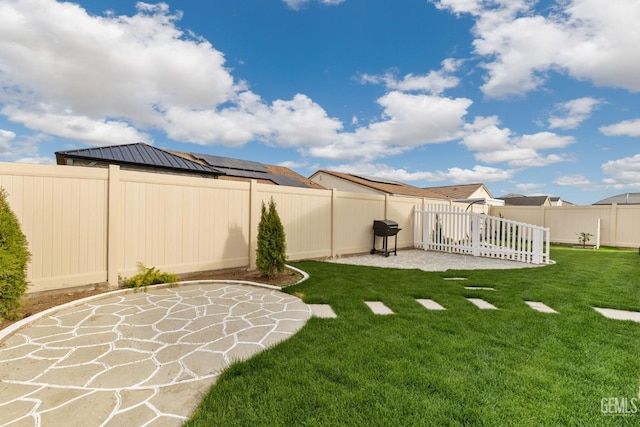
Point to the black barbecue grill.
(384, 229)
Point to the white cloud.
(623, 173)
(575, 180)
(13, 146)
(297, 4)
(293, 165)
(5, 139)
(454, 174)
(623, 128)
(580, 37)
(493, 144)
(74, 126)
(530, 189)
(477, 174)
(434, 82)
(117, 72)
(408, 121)
(573, 113)
(413, 120)
(544, 140)
(37, 160)
(302, 122)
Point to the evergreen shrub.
(14, 258)
(272, 247)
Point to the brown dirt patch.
(40, 301)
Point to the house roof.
(247, 169)
(144, 155)
(513, 200)
(138, 154)
(385, 185)
(458, 191)
(621, 199)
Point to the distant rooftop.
(384, 185)
(460, 191)
(621, 199)
(518, 200)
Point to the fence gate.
(449, 229)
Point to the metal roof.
(621, 199)
(277, 179)
(229, 163)
(247, 169)
(140, 154)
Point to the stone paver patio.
(137, 359)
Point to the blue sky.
(526, 97)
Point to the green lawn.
(462, 366)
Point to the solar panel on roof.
(277, 179)
(378, 180)
(139, 154)
(226, 162)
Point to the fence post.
(114, 208)
(475, 235)
(613, 228)
(416, 226)
(334, 230)
(537, 250)
(386, 205)
(254, 219)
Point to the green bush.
(149, 276)
(272, 246)
(14, 258)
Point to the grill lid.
(384, 223)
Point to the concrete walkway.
(432, 261)
(136, 359)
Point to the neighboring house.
(357, 183)
(621, 199)
(146, 158)
(519, 200)
(557, 201)
(468, 193)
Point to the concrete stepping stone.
(378, 307)
(611, 313)
(482, 304)
(479, 288)
(541, 307)
(323, 311)
(454, 278)
(430, 304)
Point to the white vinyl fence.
(449, 229)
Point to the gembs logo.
(620, 405)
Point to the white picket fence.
(449, 229)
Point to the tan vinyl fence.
(619, 225)
(91, 225)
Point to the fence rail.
(449, 229)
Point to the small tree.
(14, 257)
(583, 238)
(271, 252)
